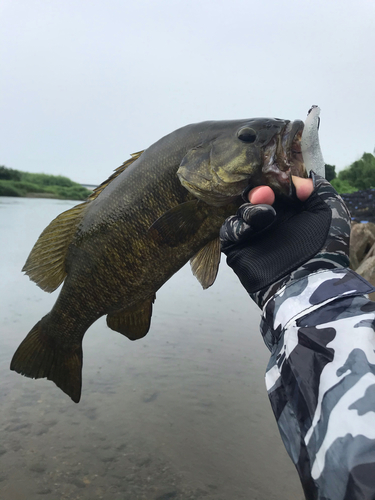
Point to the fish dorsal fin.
(116, 173)
(46, 263)
(134, 323)
(178, 224)
(205, 263)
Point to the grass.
(18, 183)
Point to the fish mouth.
(283, 158)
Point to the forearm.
(321, 381)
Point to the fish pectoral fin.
(205, 263)
(178, 224)
(133, 323)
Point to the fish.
(163, 207)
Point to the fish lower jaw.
(277, 178)
(281, 180)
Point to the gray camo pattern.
(320, 328)
(321, 381)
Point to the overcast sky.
(84, 83)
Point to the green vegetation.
(343, 186)
(361, 173)
(358, 176)
(18, 183)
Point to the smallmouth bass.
(161, 208)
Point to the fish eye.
(246, 134)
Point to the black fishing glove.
(267, 247)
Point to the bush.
(48, 180)
(75, 192)
(7, 189)
(29, 187)
(22, 188)
(343, 186)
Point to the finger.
(250, 220)
(261, 194)
(304, 187)
(258, 217)
(233, 230)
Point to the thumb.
(304, 187)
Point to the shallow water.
(181, 414)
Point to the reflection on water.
(181, 414)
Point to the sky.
(85, 83)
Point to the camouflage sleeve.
(321, 381)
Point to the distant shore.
(24, 184)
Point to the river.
(180, 414)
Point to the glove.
(267, 247)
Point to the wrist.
(302, 296)
(321, 262)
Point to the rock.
(371, 252)
(362, 251)
(367, 270)
(362, 238)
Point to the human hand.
(265, 195)
(267, 246)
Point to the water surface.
(181, 414)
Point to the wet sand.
(181, 414)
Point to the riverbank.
(27, 185)
(32, 190)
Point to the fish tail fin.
(40, 356)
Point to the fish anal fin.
(134, 323)
(116, 173)
(205, 263)
(46, 263)
(39, 356)
(178, 224)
